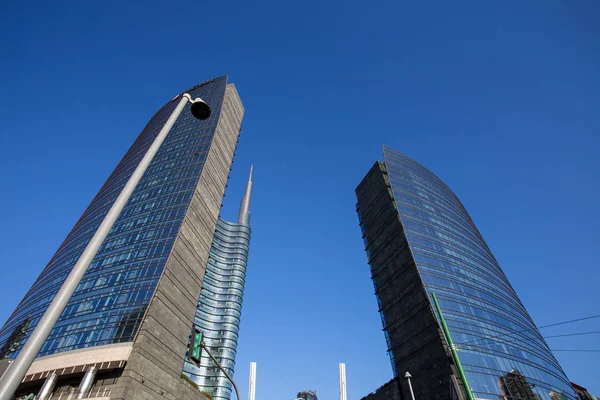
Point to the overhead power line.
(533, 329)
(572, 334)
(585, 351)
(568, 322)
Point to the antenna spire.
(244, 215)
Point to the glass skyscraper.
(136, 303)
(220, 305)
(420, 240)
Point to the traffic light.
(195, 346)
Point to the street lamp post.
(13, 377)
(408, 376)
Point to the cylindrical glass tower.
(220, 304)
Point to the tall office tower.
(307, 395)
(124, 333)
(220, 305)
(252, 382)
(420, 240)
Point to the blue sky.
(500, 99)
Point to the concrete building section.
(157, 358)
(92, 355)
(388, 391)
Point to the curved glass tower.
(220, 304)
(138, 297)
(434, 247)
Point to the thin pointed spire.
(244, 215)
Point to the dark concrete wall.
(415, 338)
(155, 365)
(389, 391)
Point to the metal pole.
(11, 381)
(252, 384)
(237, 392)
(461, 372)
(7, 363)
(343, 382)
(48, 386)
(86, 384)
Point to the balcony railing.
(71, 394)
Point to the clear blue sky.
(500, 99)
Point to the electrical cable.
(572, 334)
(586, 351)
(567, 322)
(533, 329)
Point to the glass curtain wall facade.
(220, 304)
(112, 298)
(494, 333)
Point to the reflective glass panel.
(502, 351)
(110, 302)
